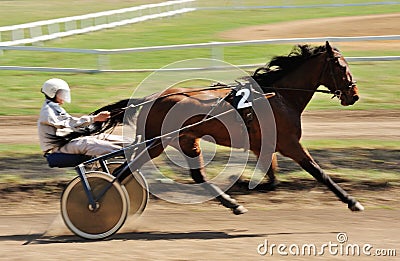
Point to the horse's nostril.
(355, 98)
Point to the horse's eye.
(352, 84)
(342, 63)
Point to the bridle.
(337, 92)
(329, 65)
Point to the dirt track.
(31, 229)
(316, 125)
(174, 232)
(368, 25)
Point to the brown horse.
(294, 79)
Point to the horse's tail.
(117, 111)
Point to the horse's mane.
(280, 66)
(265, 76)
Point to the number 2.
(243, 103)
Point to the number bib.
(242, 96)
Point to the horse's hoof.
(356, 207)
(239, 210)
(269, 186)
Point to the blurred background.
(94, 47)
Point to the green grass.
(360, 160)
(11, 179)
(351, 143)
(373, 175)
(26, 11)
(19, 150)
(33, 149)
(20, 90)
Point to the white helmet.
(57, 87)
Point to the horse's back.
(180, 107)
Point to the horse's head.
(338, 78)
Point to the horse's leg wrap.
(224, 198)
(315, 170)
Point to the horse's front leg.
(315, 170)
(304, 159)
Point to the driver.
(54, 120)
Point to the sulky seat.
(64, 160)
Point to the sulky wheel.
(138, 191)
(112, 165)
(111, 209)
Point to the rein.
(180, 131)
(217, 86)
(303, 90)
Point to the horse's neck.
(299, 86)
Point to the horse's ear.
(329, 49)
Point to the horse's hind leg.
(295, 151)
(139, 161)
(272, 181)
(270, 170)
(191, 148)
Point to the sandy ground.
(174, 232)
(369, 25)
(31, 227)
(316, 125)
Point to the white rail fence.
(289, 4)
(216, 52)
(56, 28)
(41, 31)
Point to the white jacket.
(55, 120)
